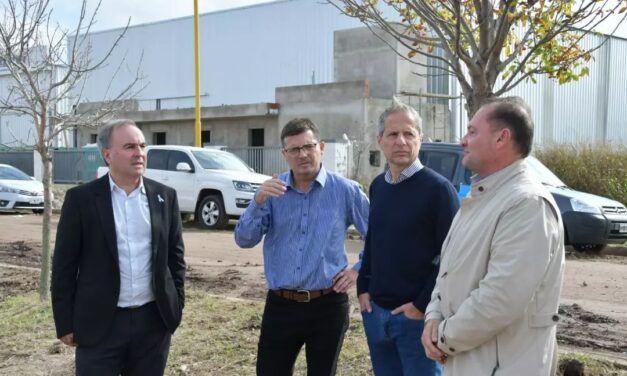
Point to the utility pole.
(197, 125)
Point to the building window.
(93, 138)
(205, 138)
(255, 157)
(158, 138)
(256, 137)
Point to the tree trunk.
(44, 279)
(477, 98)
(478, 92)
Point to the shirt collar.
(321, 178)
(498, 178)
(405, 174)
(114, 186)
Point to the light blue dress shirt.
(305, 232)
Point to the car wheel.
(588, 247)
(38, 211)
(211, 214)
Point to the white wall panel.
(245, 53)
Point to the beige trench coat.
(500, 278)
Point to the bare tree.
(47, 67)
(484, 39)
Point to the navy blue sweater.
(407, 225)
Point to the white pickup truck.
(213, 185)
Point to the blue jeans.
(395, 347)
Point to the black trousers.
(137, 345)
(287, 325)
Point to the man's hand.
(68, 339)
(429, 341)
(274, 187)
(364, 302)
(344, 280)
(410, 311)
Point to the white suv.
(212, 184)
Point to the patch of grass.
(589, 365)
(218, 336)
(597, 169)
(25, 323)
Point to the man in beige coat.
(494, 308)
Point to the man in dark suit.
(118, 268)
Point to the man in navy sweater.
(411, 209)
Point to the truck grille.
(614, 210)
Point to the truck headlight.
(243, 186)
(581, 206)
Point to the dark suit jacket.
(85, 270)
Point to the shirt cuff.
(443, 345)
(433, 315)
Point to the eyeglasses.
(307, 148)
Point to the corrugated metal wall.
(16, 130)
(22, 160)
(245, 54)
(617, 98)
(593, 109)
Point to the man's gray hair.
(398, 106)
(104, 134)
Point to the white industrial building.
(264, 64)
(247, 53)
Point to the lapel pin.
(159, 198)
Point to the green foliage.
(514, 40)
(597, 169)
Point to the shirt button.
(304, 214)
(481, 189)
(556, 318)
(303, 233)
(442, 339)
(452, 349)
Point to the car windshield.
(12, 173)
(220, 161)
(542, 172)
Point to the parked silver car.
(20, 192)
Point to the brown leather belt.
(302, 296)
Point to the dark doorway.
(256, 137)
(158, 138)
(255, 153)
(205, 138)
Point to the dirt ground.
(593, 306)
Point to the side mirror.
(183, 167)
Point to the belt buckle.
(308, 299)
